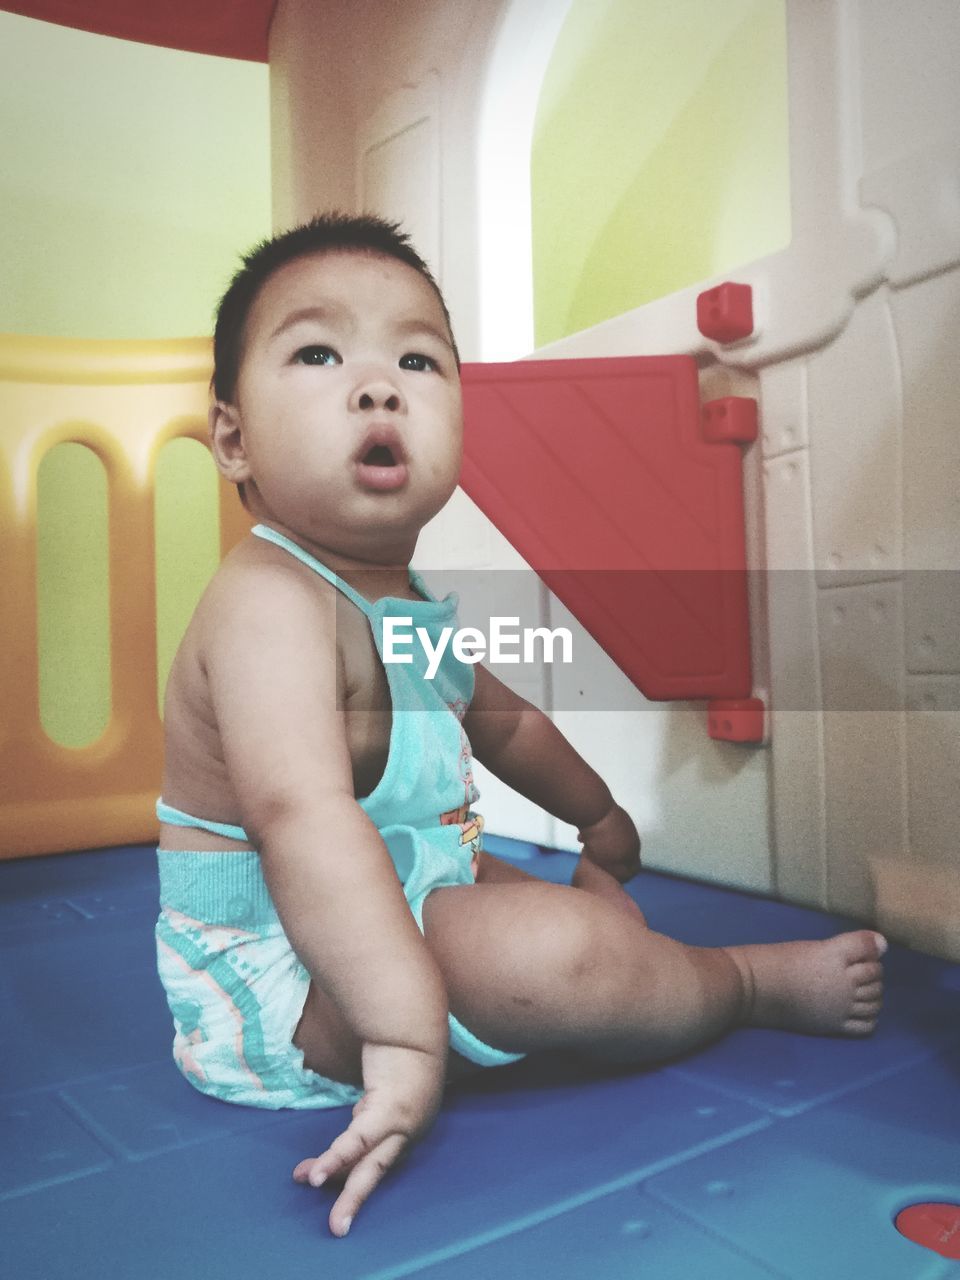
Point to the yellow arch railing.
(124, 401)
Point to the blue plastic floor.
(767, 1155)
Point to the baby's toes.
(856, 950)
(869, 991)
(865, 1008)
(866, 973)
(860, 1024)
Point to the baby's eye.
(418, 363)
(317, 355)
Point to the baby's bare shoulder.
(252, 610)
(260, 594)
(256, 621)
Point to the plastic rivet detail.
(736, 719)
(725, 312)
(934, 1225)
(730, 420)
(637, 1228)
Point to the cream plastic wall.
(853, 488)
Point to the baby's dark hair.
(329, 232)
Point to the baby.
(331, 930)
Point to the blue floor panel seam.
(717, 1236)
(724, 1090)
(107, 1076)
(633, 1179)
(32, 1188)
(94, 1129)
(823, 1099)
(929, 1268)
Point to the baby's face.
(349, 401)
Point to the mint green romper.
(234, 984)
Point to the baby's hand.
(613, 844)
(593, 879)
(403, 1089)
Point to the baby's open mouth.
(382, 465)
(380, 455)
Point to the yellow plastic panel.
(73, 608)
(660, 154)
(132, 174)
(187, 523)
(124, 401)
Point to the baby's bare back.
(196, 776)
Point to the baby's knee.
(573, 944)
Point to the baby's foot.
(822, 988)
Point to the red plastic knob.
(736, 719)
(725, 312)
(730, 420)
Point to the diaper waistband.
(216, 888)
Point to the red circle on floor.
(935, 1226)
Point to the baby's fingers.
(363, 1158)
(342, 1155)
(302, 1172)
(363, 1181)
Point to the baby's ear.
(226, 442)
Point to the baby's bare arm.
(526, 750)
(272, 667)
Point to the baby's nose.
(376, 400)
(378, 393)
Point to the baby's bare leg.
(333, 1050)
(586, 876)
(532, 966)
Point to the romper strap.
(281, 540)
(177, 818)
